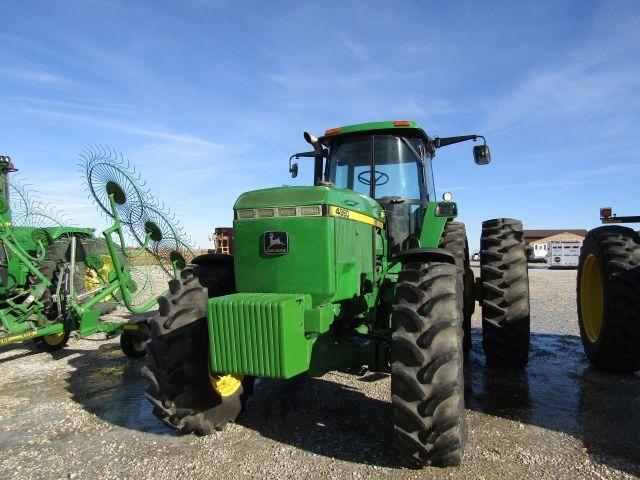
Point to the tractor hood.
(316, 241)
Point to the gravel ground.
(81, 413)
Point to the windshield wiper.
(413, 150)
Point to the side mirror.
(481, 154)
(293, 170)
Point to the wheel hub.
(226, 385)
(591, 298)
(53, 339)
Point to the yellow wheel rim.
(591, 298)
(226, 385)
(92, 277)
(53, 339)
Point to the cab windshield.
(382, 166)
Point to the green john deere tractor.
(608, 294)
(363, 270)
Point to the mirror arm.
(438, 142)
(300, 155)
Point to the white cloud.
(37, 76)
(356, 47)
(144, 131)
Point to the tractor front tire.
(427, 383)
(181, 388)
(608, 297)
(505, 294)
(454, 239)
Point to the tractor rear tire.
(454, 239)
(56, 341)
(427, 383)
(505, 294)
(180, 385)
(608, 297)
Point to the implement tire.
(53, 342)
(181, 388)
(454, 239)
(427, 384)
(608, 297)
(505, 294)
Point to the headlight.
(313, 210)
(266, 212)
(246, 214)
(446, 209)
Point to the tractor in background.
(364, 270)
(608, 294)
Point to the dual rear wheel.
(504, 289)
(432, 336)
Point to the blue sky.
(209, 98)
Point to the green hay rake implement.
(55, 279)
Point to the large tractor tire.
(427, 384)
(55, 341)
(454, 239)
(184, 394)
(505, 294)
(85, 278)
(608, 294)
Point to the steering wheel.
(380, 178)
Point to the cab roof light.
(402, 123)
(605, 212)
(331, 131)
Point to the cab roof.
(408, 127)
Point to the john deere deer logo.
(273, 240)
(275, 243)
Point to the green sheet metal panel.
(432, 227)
(259, 334)
(308, 266)
(354, 258)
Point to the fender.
(426, 255)
(214, 260)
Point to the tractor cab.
(392, 167)
(390, 162)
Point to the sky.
(209, 98)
